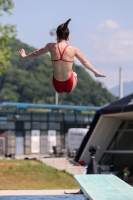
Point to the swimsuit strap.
(61, 54)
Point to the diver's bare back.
(62, 70)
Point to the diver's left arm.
(36, 52)
(86, 63)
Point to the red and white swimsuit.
(63, 86)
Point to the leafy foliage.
(6, 5)
(31, 81)
(7, 32)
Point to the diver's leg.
(74, 81)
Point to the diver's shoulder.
(73, 48)
(51, 44)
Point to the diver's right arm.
(36, 52)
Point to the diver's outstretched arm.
(35, 53)
(86, 63)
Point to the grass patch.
(32, 174)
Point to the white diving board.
(104, 187)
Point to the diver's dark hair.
(63, 31)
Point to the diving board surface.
(104, 187)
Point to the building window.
(36, 125)
(124, 133)
(43, 126)
(27, 125)
(53, 125)
(69, 117)
(3, 120)
(120, 151)
(19, 125)
(55, 117)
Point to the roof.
(20, 105)
(119, 106)
(122, 105)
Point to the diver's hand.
(97, 74)
(22, 53)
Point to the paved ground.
(63, 164)
(60, 163)
(35, 192)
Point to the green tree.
(7, 32)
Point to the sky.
(101, 29)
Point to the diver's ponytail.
(63, 30)
(66, 24)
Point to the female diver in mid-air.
(62, 57)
